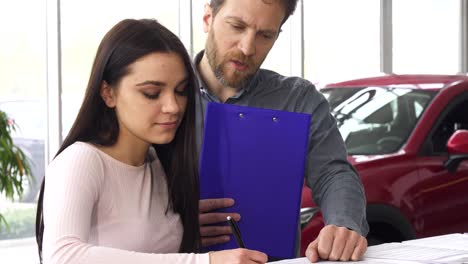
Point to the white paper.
(400, 251)
(445, 249)
(451, 241)
(364, 261)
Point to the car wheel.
(382, 233)
(373, 240)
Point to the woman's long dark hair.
(126, 42)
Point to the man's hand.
(337, 243)
(215, 234)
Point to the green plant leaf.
(3, 222)
(14, 164)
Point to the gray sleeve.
(336, 186)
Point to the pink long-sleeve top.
(100, 210)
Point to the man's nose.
(247, 44)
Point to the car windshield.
(376, 120)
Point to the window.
(376, 120)
(454, 118)
(426, 36)
(199, 37)
(341, 39)
(22, 98)
(418, 108)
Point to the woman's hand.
(240, 255)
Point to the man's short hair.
(289, 6)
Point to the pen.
(236, 232)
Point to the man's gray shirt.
(336, 186)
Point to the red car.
(407, 136)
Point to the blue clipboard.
(257, 157)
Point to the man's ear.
(107, 94)
(207, 18)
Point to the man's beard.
(217, 63)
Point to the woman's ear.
(107, 94)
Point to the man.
(240, 35)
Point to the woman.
(123, 187)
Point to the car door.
(442, 197)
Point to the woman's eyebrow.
(155, 83)
(161, 84)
